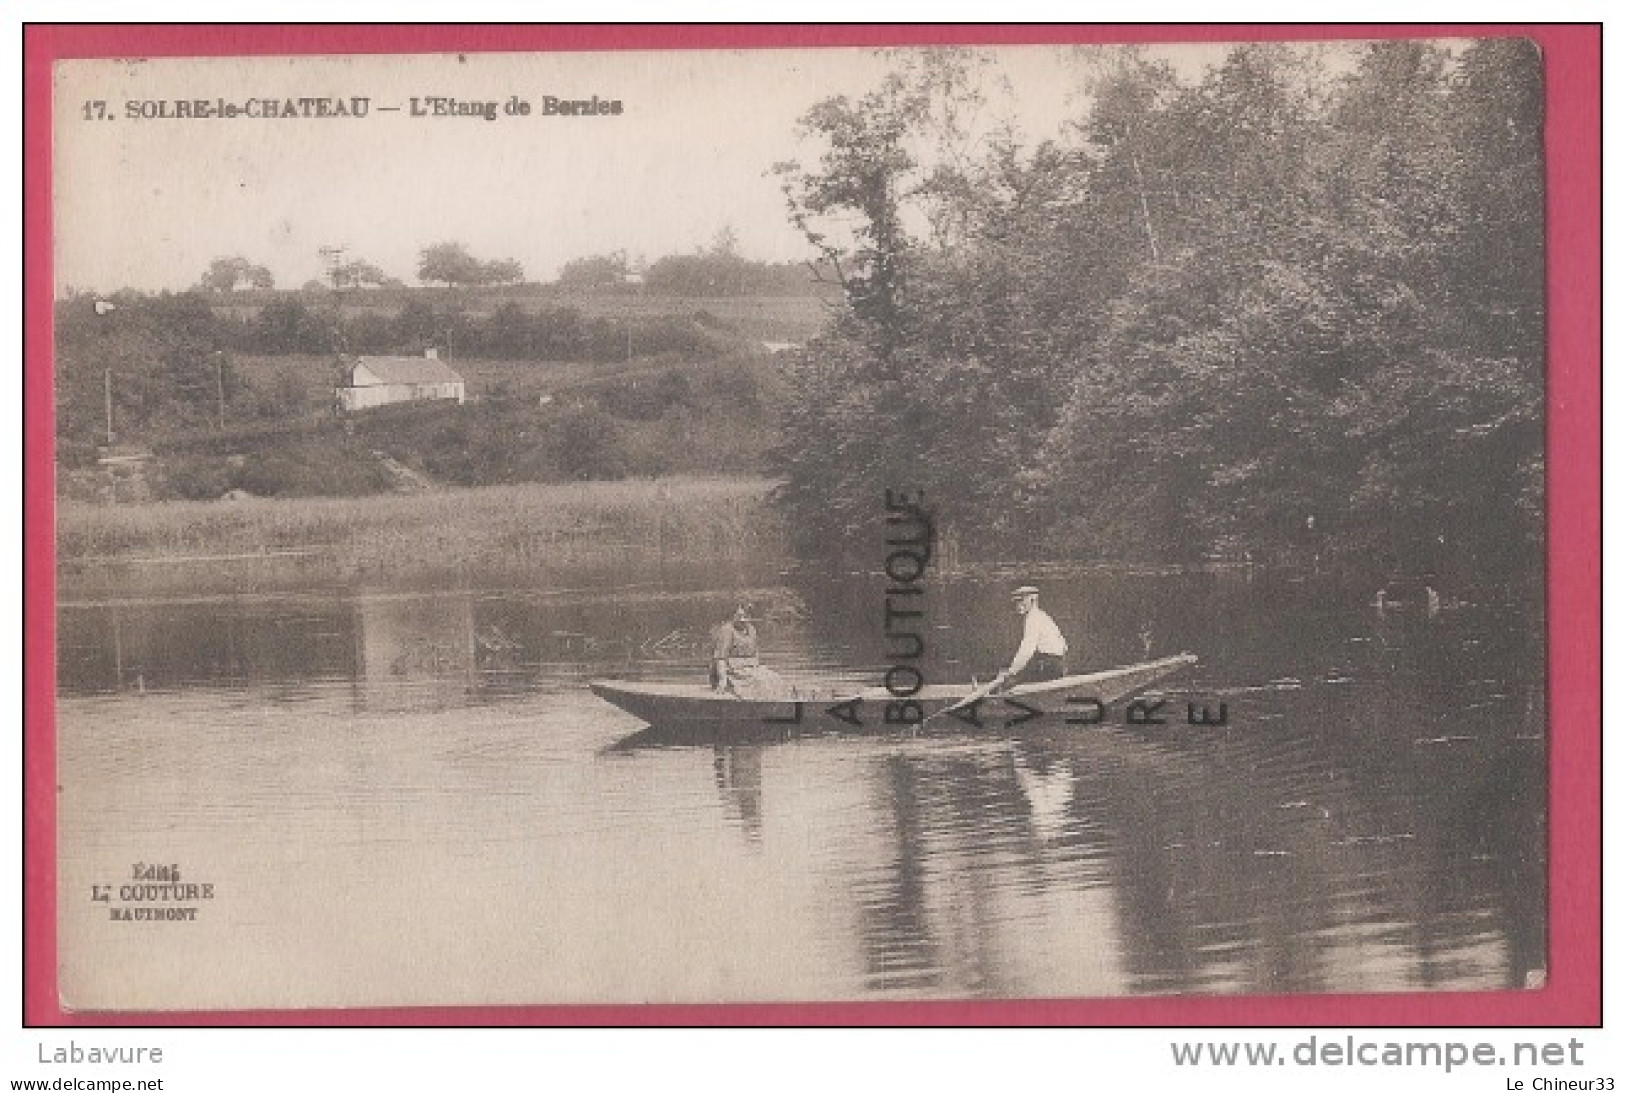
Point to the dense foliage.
(161, 361)
(1291, 312)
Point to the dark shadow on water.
(694, 736)
(725, 734)
(947, 731)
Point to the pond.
(414, 799)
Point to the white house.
(379, 381)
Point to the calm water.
(413, 799)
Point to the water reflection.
(1372, 818)
(1204, 864)
(414, 652)
(739, 780)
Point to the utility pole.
(332, 259)
(107, 307)
(220, 386)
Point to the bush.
(196, 478)
(647, 398)
(318, 467)
(589, 444)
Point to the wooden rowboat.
(1071, 700)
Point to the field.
(764, 318)
(311, 378)
(631, 531)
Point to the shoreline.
(681, 534)
(672, 528)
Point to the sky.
(147, 203)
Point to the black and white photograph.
(800, 525)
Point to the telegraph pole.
(220, 386)
(332, 258)
(106, 307)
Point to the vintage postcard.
(800, 525)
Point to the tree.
(698, 274)
(589, 444)
(166, 358)
(922, 382)
(594, 271)
(1495, 122)
(902, 152)
(225, 274)
(358, 273)
(450, 264)
(503, 272)
(860, 181)
(287, 325)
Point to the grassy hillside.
(235, 391)
(643, 418)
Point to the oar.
(976, 695)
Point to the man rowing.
(736, 665)
(1042, 654)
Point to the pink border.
(1573, 996)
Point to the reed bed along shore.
(636, 528)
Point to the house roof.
(406, 370)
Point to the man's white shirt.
(1039, 634)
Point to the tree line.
(715, 270)
(290, 325)
(1289, 312)
(448, 263)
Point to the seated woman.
(736, 665)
